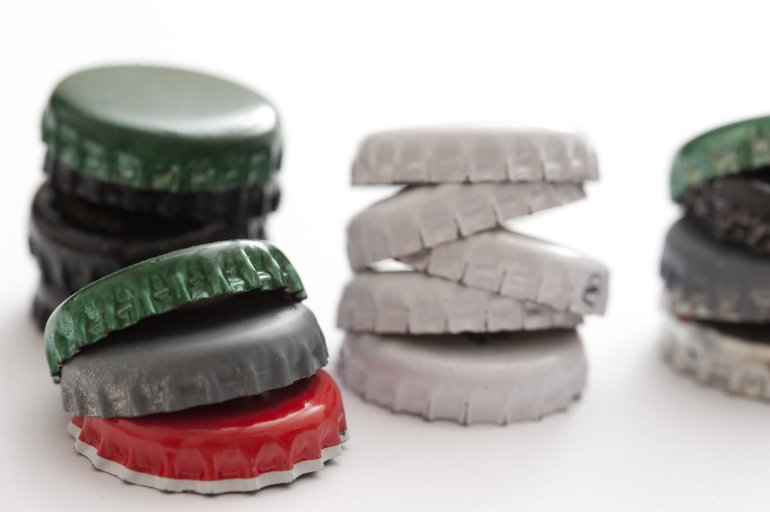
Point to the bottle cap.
(76, 242)
(418, 218)
(499, 378)
(520, 267)
(411, 302)
(162, 284)
(237, 446)
(735, 209)
(729, 149)
(255, 200)
(710, 280)
(162, 129)
(730, 356)
(195, 356)
(474, 154)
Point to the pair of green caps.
(162, 129)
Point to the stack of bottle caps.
(716, 259)
(481, 327)
(198, 371)
(145, 160)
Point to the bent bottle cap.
(711, 280)
(165, 283)
(238, 446)
(499, 378)
(195, 356)
(729, 149)
(733, 357)
(422, 217)
(411, 302)
(521, 267)
(162, 129)
(474, 154)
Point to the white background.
(638, 80)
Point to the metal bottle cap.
(730, 149)
(733, 357)
(76, 242)
(735, 209)
(711, 280)
(499, 378)
(418, 218)
(521, 267)
(474, 154)
(411, 302)
(238, 446)
(195, 356)
(162, 129)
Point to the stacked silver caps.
(480, 326)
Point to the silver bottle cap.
(412, 302)
(419, 218)
(521, 267)
(500, 378)
(475, 154)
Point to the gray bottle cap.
(711, 280)
(484, 153)
(734, 358)
(196, 356)
(419, 218)
(498, 378)
(411, 302)
(520, 267)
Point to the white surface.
(639, 81)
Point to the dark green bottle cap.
(162, 284)
(727, 150)
(162, 129)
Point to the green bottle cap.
(161, 284)
(162, 129)
(730, 149)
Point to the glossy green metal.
(162, 129)
(162, 284)
(727, 150)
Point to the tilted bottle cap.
(484, 153)
(730, 149)
(412, 302)
(521, 267)
(422, 217)
(162, 129)
(499, 378)
(195, 356)
(731, 356)
(711, 280)
(162, 284)
(237, 446)
(735, 209)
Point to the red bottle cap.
(237, 446)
